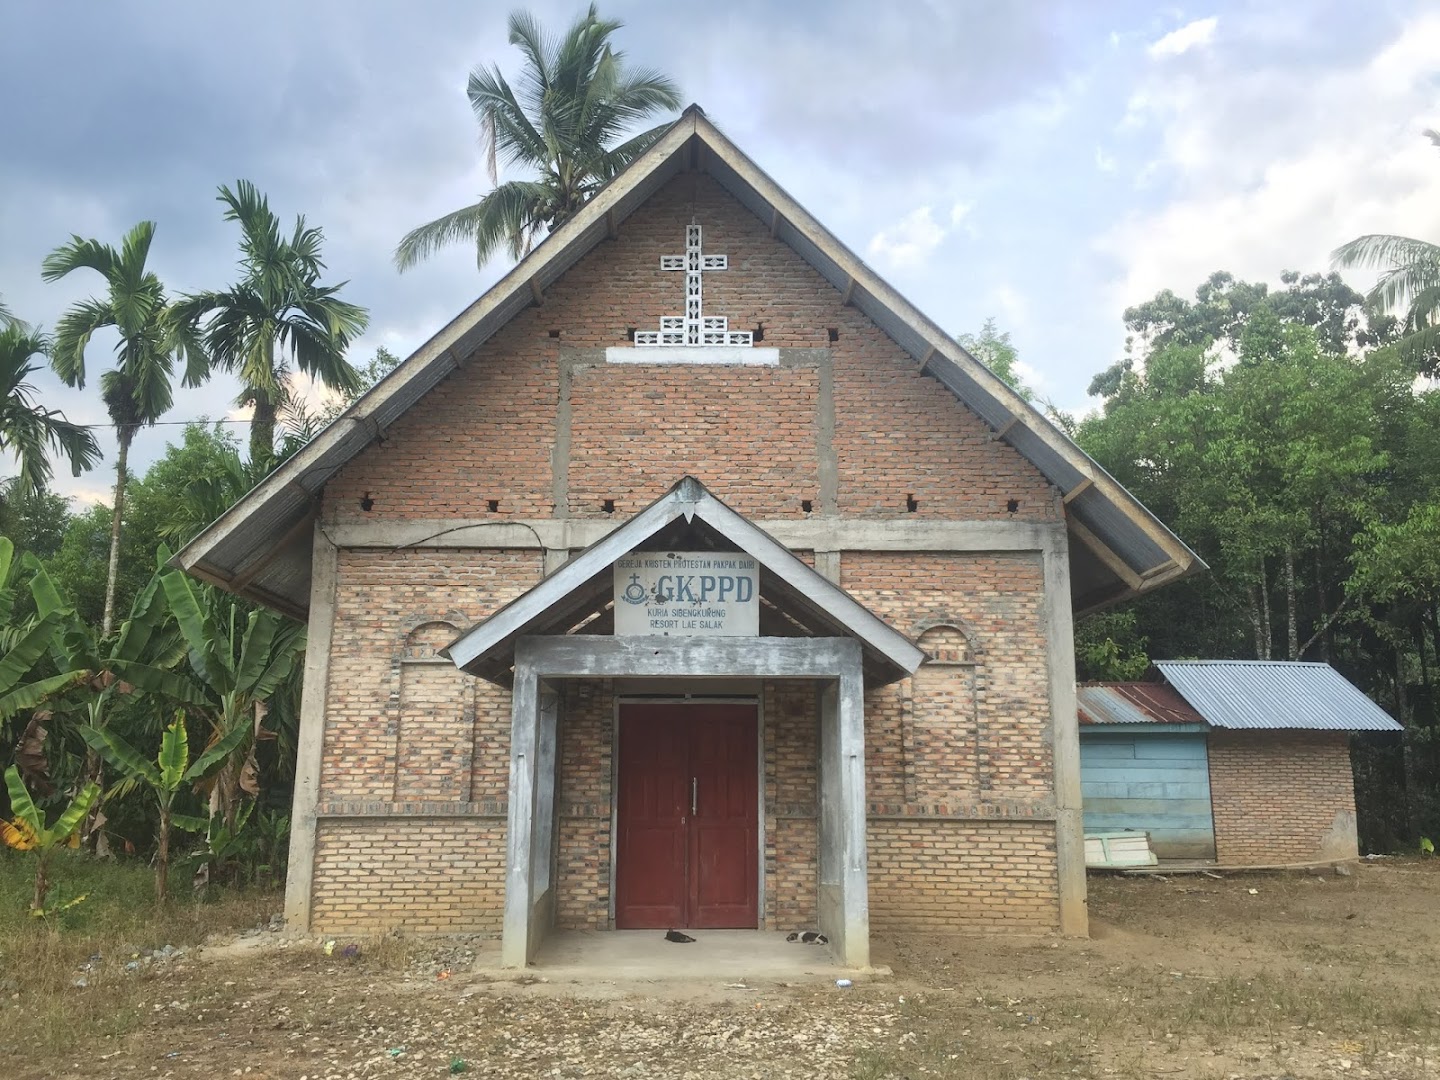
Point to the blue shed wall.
(1158, 781)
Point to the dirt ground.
(1294, 975)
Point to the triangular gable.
(583, 584)
(257, 548)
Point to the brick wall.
(962, 875)
(424, 875)
(996, 713)
(753, 435)
(1282, 796)
(582, 882)
(792, 777)
(392, 610)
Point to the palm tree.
(276, 313)
(7, 317)
(1409, 283)
(27, 428)
(576, 99)
(137, 391)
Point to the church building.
(689, 578)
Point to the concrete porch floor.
(728, 956)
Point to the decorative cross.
(694, 327)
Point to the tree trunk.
(1407, 748)
(1265, 612)
(262, 428)
(123, 434)
(162, 858)
(1292, 631)
(42, 882)
(1322, 602)
(1256, 624)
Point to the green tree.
(35, 520)
(995, 350)
(1262, 449)
(577, 99)
(277, 314)
(166, 776)
(137, 391)
(28, 430)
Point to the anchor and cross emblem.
(694, 327)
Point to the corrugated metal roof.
(1133, 703)
(1274, 694)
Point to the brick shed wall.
(536, 421)
(1282, 796)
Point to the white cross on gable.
(694, 327)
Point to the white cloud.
(1264, 179)
(960, 211)
(1011, 308)
(910, 240)
(1190, 36)
(1106, 163)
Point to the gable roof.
(260, 547)
(1274, 695)
(805, 600)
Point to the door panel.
(723, 834)
(675, 867)
(654, 799)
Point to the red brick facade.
(1282, 797)
(538, 426)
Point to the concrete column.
(300, 874)
(542, 843)
(844, 900)
(1065, 738)
(516, 934)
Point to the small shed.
(1243, 763)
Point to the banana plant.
(23, 644)
(236, 671)
(105, 671)
(27, 831)
(170, 772)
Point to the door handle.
(694, 795)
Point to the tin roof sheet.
(1274, 694)
(1133, 703)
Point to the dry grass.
(42, 959)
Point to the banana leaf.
(217, 753)
(174, 755)
(120, 754)
(21, 804)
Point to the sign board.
(697, 593)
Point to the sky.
(1041, 162)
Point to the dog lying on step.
(809, 937)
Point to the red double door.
(687, 847)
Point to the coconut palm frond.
(574, 98)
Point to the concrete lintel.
(813, 534)
(601, 657)
(1065, 743)
(300, 874)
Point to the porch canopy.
(809, 628)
